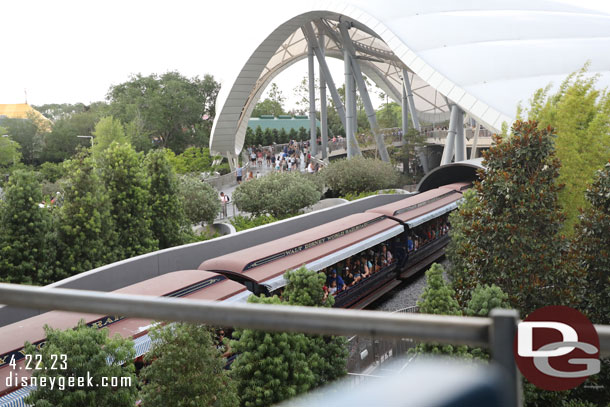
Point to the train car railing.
(495, 332)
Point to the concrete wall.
(136, 269)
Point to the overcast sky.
(68, 51)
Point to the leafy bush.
(200, 200)
(199, 382)
(90, 353)
(484, 299)
(247, 222)
(277, 194)
(352, 197)
(193, 159)
(359, 174)
(51, 171)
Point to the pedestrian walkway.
(230, 188)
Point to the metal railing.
(495, 332)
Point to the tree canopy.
(186, 369)
(26, 251)
(580, 115)
(174, 110)
(278, 194)
(510, 237)
(90, 353)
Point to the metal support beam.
(448, 151)
(313, 137)
(475, 142)
(341, 110)
(502, 332)
(405, 113)
(349, 113)
(407, 87)
(460, 142)
(311, 39)
(323, 107)
(408, 103)
(364, 94)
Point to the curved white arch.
(486, 57)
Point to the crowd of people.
(426, 233)
(349, 272)
(294, 156)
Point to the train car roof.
(192, 284)
(425, 206)
(316, 248)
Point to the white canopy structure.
(482, 57)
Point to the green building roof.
(285, 122)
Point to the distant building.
(24, 111)
(286, 122)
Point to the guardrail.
(496, 332)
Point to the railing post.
(502, 334)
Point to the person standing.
(224, 200)
(239, 174)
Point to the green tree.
(272, 105)
(86, 235)
(177, 378)
(107, 131)
(169, 223)
(590, 247)
(137, 134)
(127, 185)
(51, 171)
(277, 194)
(580, 115)
(9, 150)
(327, 355)
(511, 237)
(358, 175)
(439, 298)
(63, 141)
(484, 299)
(258, 136)
(90, 353)
(389, 115)
(458, 272)
(25, 132)
(200, 200)
(26, 250)
(413, 141)
(175, 110)
(192, 160)
(271, 367)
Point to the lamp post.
(89, 137)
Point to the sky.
(68, 51)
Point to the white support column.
(460, 144)
(364, 94)
(448, 151)
(323, 107)
(313, 138)
(404, 111)
(349, 119)
(354, 106)
(311, 39)
(475, 142)
(409, 91)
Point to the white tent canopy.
(485, 56)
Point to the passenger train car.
(412, 230)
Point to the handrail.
(438, 328)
